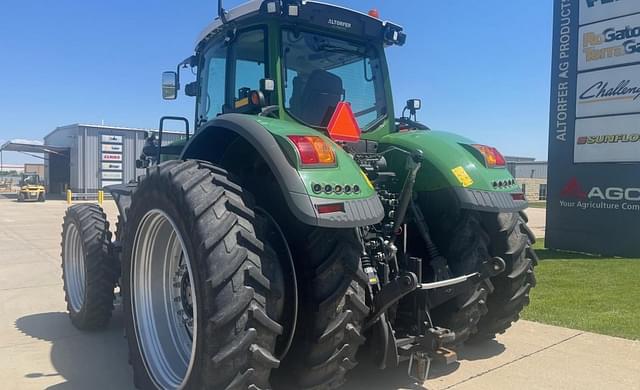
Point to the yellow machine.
(31, 188)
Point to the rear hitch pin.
(419, 366)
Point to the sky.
(481, 68)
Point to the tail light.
(492, 158)
(313, 150)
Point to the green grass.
(538, 205)
(587, 292)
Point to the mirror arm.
(189, 61)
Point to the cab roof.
(314, 13)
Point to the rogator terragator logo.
(611, 42)
(574, 195)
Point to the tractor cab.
(292, 60)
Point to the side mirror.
(169, 85)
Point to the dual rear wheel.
(204, 292)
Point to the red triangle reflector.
(343, 125)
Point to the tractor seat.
(315, 100)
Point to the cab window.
(248, 63)
(212, 98)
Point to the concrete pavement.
(40, 349)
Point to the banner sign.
(111, 166)
(111, 148)
(111, 157)
(613, 42)
(105, 183)
(112, 175)
(594, 128)
(605, 140)
(609, 92)
(111, 160)
(596, 10)
(114, 139)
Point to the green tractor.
(301, 227)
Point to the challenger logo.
(608, 139)
(603, 91)
(600, 198)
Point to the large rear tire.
(218, 291)
(511, 239)
(465, 245)
(332, 309)
(89, 273)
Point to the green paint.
(443, 152)
(346, 172)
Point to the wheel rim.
(74, 271)
(164, 309)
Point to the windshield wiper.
(337, 49)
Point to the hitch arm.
(391, 293)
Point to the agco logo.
(599, 197)
(593, 3)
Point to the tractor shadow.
(99, 360)
(368, 377)
(84, 360)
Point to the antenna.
(222, 14)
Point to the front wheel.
(202, 291)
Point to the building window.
(543, 192)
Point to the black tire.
(41, 197)
(511, 239)
(464, 243)
(332, 308)
(20, 197)
(237, 279)
(100, 271)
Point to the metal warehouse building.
(86, 158)
(96, 156)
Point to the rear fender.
(268, 137)
(451, 168)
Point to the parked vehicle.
(301, 222)
(31, 188)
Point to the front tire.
(88, 271)
(219, 289)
